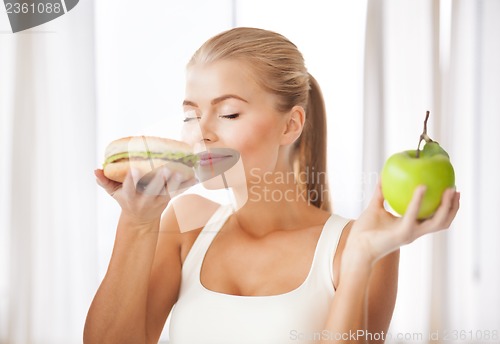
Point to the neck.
(276, 202)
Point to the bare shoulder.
(186, 216)
(337, 260)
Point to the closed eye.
(187, 119)
(231, 116)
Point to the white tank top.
(204, 316)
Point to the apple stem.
(424, 135)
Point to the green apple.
(404, 171)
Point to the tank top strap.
(322, 266)
(192, 264)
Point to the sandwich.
(147, 153)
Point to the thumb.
(377, 198)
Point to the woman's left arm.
(382, 292)
(365, 297)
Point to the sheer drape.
(472, 108)
(49, 267)
(441, 56)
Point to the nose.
(200, 132)
(207, 129)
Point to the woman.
(281, 268)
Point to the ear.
(295, 120)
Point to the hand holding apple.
(404, 171)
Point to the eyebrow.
(216, 100)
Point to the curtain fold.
(473, 121)
(373, 102)
(21, 184)
(51, 271)
(398, 90)
(441, 56)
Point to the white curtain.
(473, 114)
(48, 214)
(106, 70)
(398, 89)
(441, 56)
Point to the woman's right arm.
(133, 300)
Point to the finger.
(377, 198)
(455, 205)
(174, 183)
(110, 186)
(177, 189)
(411, 213)
(129, 183)
(157, 185)
(437, 222)
(188, 183)
(444, 208)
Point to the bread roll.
(146, 153)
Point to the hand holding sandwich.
(166, 164)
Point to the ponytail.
(310, 150)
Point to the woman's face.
(225, 108)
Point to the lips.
(209, 158)
(215, 161)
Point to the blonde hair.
(280, 69)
